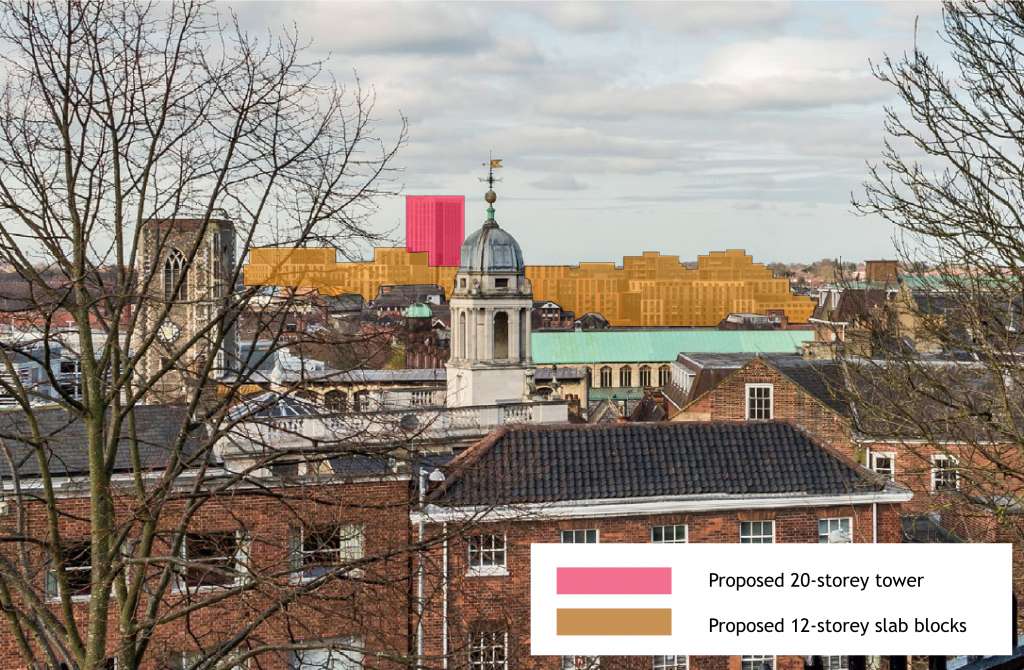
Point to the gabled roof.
(157, 427)
(547, 464)
(821, 379)
(854, 304)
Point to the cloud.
(377, 27)
(716, 97)
(675, 17)
(776, 74)
(559, 182)
(661, 112)
(701, 17)
(583, 17)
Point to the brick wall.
(502, 602)
(373, 607)
(727, 402)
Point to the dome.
(491, 249)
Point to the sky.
(630, 127)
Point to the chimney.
(881, 272)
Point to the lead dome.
(491, 249)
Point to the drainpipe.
(874, 523)
(444, 598)
(420, 605)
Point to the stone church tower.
(490, 312)
(184, 295)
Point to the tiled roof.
(822, 379)
(63, 435)
(653, 346)
(854, 304)
(702, 359)
(561, 463)
(923, 528)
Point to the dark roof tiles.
(158, 428)
(551, 464)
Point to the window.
(213, 559)
(179, 660)
(347, 656)
(361, 401)
(501, 334)
(759, 401)
(664, 379)
(945, 476)
(461, 352)
(645, 375)
(286, 470)
(501, 282)
(757, 663)
(70, 378)
(336, 401)
(835, 531)
(75, 557)
(671, 663)
(669, 534)
(587, 536)
(175, 271)
(581, 662)
(757, 532)
(606, 377)
(320, 551)
(182, 660)
(487, 555)
(884, 463)
(835, 662)
(488, 650)
(625, 376)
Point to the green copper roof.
(417, 310)
(653, 346)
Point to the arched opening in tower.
(461, 352)
(501, 335)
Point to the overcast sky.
(628, 127)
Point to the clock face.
(168, 332)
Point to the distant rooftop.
(658, 346)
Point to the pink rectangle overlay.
(614, 581)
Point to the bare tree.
(149, 506)
(938, 371)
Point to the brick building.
(309, 556)
(952, 461)
(816, 396)
(725, 482)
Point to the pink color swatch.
(614, 581)
(436, 224)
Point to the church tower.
(490, 312)
(188, 264)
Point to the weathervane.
(491, 196)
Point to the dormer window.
(501, 282)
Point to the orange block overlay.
(614, 621)
(647, 290)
